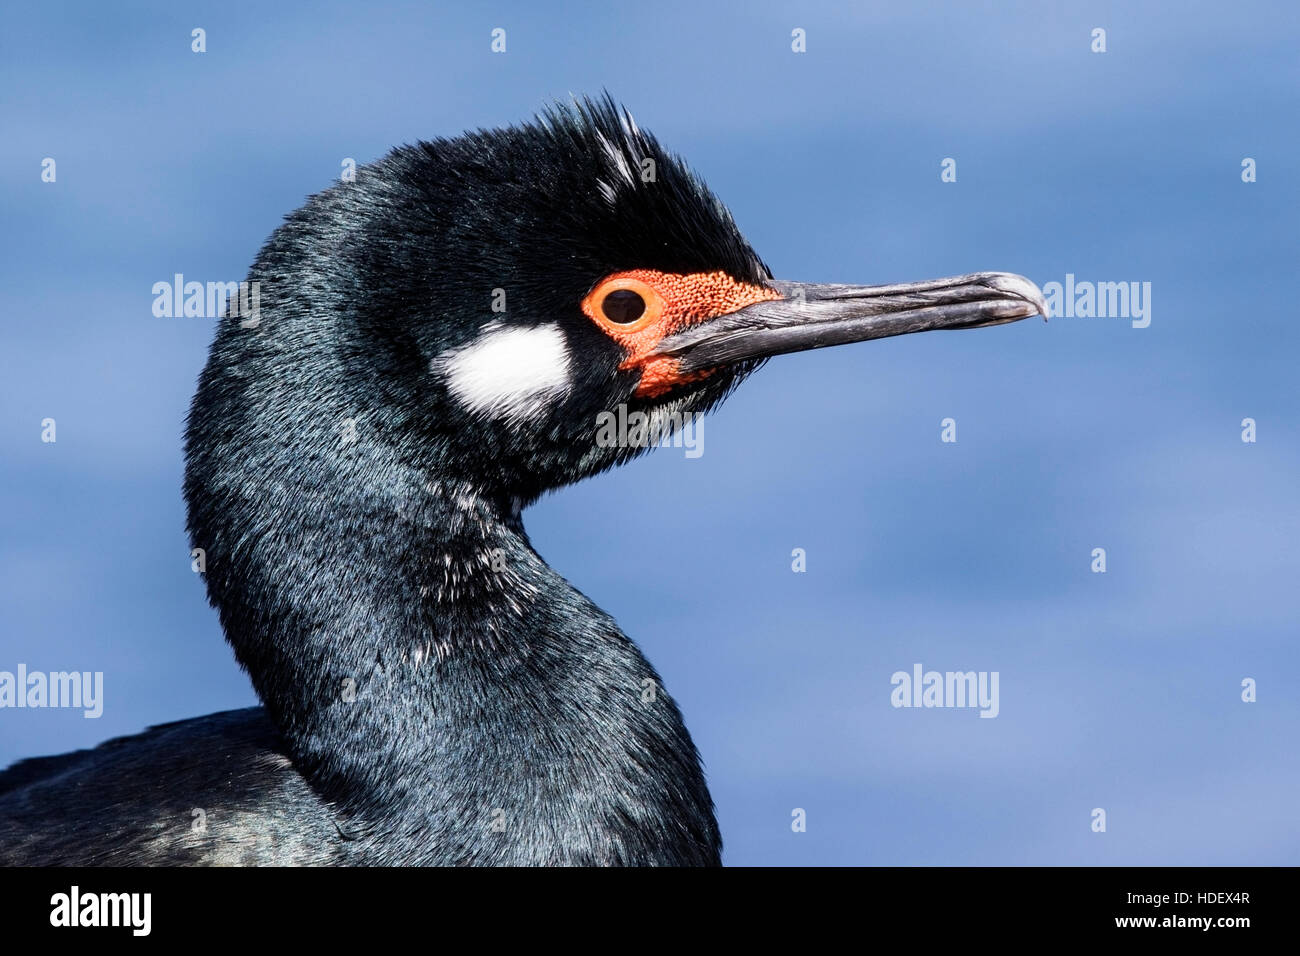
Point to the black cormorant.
(433, 346)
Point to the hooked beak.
(813, 316)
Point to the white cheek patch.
(508, 372)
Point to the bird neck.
(444, 686)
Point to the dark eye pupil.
(623, 306)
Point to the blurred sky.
(1118, 690)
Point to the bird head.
(479, 303)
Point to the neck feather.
(435, 679)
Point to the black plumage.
(433, 692)
(445, 695)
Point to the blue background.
(1118, 690)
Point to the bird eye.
(623, 306)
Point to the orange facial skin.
(674, 301)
